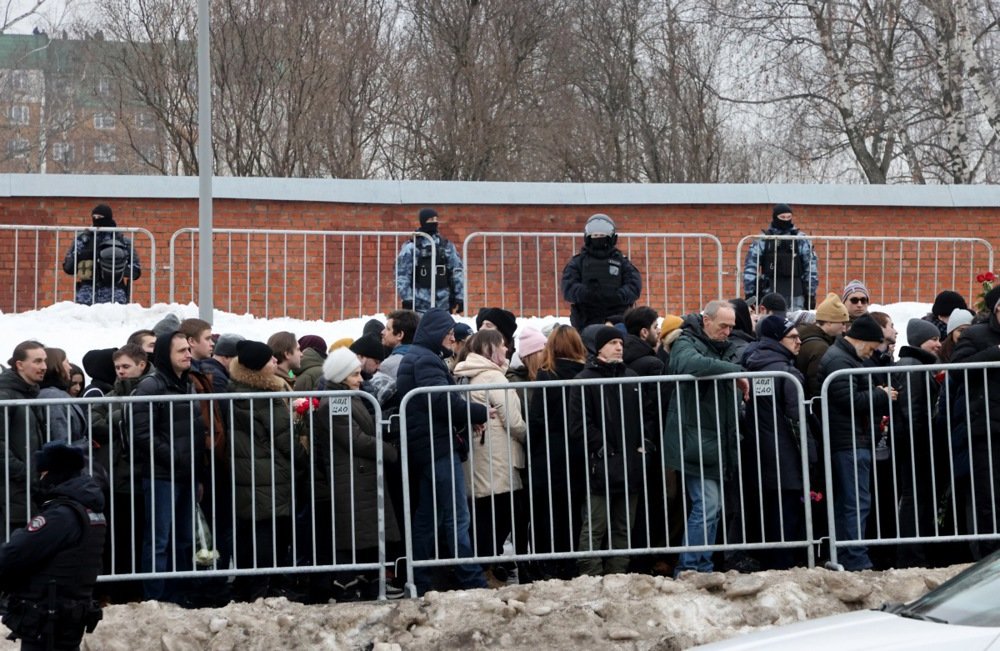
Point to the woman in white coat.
(496, 455)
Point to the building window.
(104, 86)
(144, 120)
(17, 148)
(62, 152)
(104, 121)
(19, 81)
(105, 153)
(18, 114)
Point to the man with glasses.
(855, 405)
(856, 298)
(981, 343)
(700, 438)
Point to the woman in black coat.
(557, 467)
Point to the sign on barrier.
(314, 275)
(522, 272)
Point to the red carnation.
(981, 278)
(989, 277)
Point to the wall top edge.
(495, 193)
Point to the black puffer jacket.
(855, 402)
(169, 438)
(548, 432)
(22, 430)
(980, 343)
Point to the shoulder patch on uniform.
(36, 523)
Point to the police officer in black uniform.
(48, 569)
(599, 281)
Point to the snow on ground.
(79, 328)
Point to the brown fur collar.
(262, 379)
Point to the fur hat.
(339, 364)
(775, 327)
(315, 342)
(368, 346)
(529, 342)
(865, 328)
(504, 320)
(227, 344)
(58, 458)
(855, 286)
(253, 354)
(832, 310)
(959, 318)
(918, 331)
(947, 302)
(606, 334)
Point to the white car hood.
(864, 630)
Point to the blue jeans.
(166, 523)
(852, 501)
(702, 522)
(449, 514)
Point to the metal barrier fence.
(316, 275)
(913, 467)
(593, 475)
(36, 255)
(894, 269)
(522, 272)
(581, 483)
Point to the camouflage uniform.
(449, 287)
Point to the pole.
(205, 164)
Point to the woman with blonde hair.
(492, 471)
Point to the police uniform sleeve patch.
(36, 523)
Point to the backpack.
(113, 261)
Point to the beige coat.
(495, 455)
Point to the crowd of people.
(630, 462)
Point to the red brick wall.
(297, 285)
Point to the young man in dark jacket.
(22, 429)
(854, 403)
(607, 420)
(438, 428)
(169, 441)
(50, 568)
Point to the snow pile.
(613, 612)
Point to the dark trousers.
(273, 546)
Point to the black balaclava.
(102, 216)
(781, 224)
(431, 228)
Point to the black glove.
(584, 295)
(407, 304)
(457, 306)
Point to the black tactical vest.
(605, 273)
(427, 267)
(75, 568)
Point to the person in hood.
(700, 438)
(773, 438)
(607, 421)
(102, 262)
(101, 369)
(599, 280)
(429, 271)
(23, 430)
(782, 261)
(168, 442)
(439, 427)
(49, 568)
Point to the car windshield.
(971, 598)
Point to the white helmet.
(600, 226)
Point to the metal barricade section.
(522, 272)
(48, 264)
(894, 268)
(910, 461)
(307, 274)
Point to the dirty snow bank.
(614, 612)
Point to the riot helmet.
(599, 233)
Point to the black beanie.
(504, 320)
(606, 334)
(100, 364)
(865, 328)
(775, 327)
(947, 302)
(369, 346)
(105, 217)
(774, 302)
(991, 298)
(253, 354)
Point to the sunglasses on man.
(859, 299)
